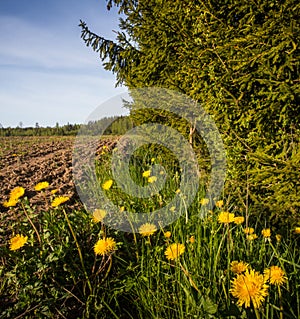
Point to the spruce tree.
(239, 60)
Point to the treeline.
(68, 129)
(115, 125)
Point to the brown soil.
(26, 161)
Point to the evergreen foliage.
(240, 60)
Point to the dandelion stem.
(280, 303)
(32, 224)
(79, 250)
(257, 313)
(189, 276)
(109, 268)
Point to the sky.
(47, 74)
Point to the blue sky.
(47, 74)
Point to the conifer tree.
(240, 60)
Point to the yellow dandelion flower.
(249, 288)
(152, 159)
(278, 238)
(98, 215)
(147, 229)
(178, 191)
(275, 275)
(248, 230)
(122, 208)
(17, 192)
(11, 202)
(204, 201)
(251, 236)
(219, 203)
(17, 242)
(41, 185)
(107, 185)
(59, 200)
(238, 267)
(266, 232)
(147, 173)
(226, 217)
(297, 230)
(192, 239)
(105, 246)
(167, 234)
(152, 179)
(239, 220)
(174, 251)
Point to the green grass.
(59, 276)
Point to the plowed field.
(25, 161)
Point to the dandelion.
(248, 230)
(105, 246)
(239, 220)
(147, 229)
(249, 287)
(167, 234)
(41, 185)
(219, 203)
(152, 159)
(275, 275)
(204, 201)
(107, 185)
(98, 215)
(251, 236)
(297, 230)
(174, 251)
(17, 242)
(59, 200)
(178, 191)
(192, 239)
(278, 238)
(17, 192)
(226, 217)
(266, 232)
(238, 267)
(122, 208)
(147, 173)
(10, 203)
(152, 179)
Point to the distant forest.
(115, 125)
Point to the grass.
(56, 273)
